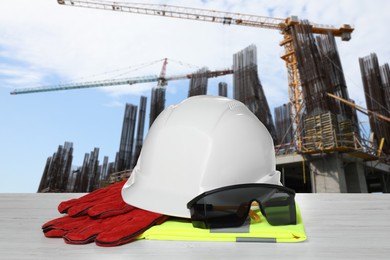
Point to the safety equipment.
(100, 203)
(229, 206)
(250, 231)
(111, 231)
(101, 217)
(203, 143)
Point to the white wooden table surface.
(338, 226)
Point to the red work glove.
(111, 231)
(60, 226)
(114, 231)
(100, 203)
(101, 216)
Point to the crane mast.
(283, 25)
(162, 82)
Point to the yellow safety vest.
(251, 231)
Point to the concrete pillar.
(327, 174)
(355, 177)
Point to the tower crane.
(162, 81)
(282, 25)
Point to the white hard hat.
(203, 143)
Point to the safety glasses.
(229, 206)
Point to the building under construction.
(198, 83)
(91, 174)
(247, 87)
(59, 176)
(284, 130)
(330, 154)
(55, 177)
(377, 93)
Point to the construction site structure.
(140, 131)
(222, 89)
(157, 97)
(320, 71)
(329, 154)
(331, 170)
(284, 130)
(284, 25)
(333, 154)
(385, 78)
(157, 103)
(198, 83)
(247, 87)
(115, 82)
(60, 176)
(129, 150)
(376, 88)
(56, 172)
(327, 123)
(125, 153)
(88, 176)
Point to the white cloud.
(115, 103)
(75, 42)
(14, 76)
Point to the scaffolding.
(86, 173)
(56, 172)
(247, 87)
(157, 103)
(284, 129)
(385, 77)
(222, 89)
(58, 175)
(313, 76)
(331, 63)
(140, 130)
(376, 89)
(320, 132)
(328, 124)
(198, 83)
(125, 152)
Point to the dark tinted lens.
(229, 206)
(218, 210)
(279, 208)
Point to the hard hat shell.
(203, 143)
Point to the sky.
(43, 43)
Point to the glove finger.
(82, 208)
(56, 221)
(79, 209)
(62, 222)
(129, 228)
(90, 231)
(60, 228)
(96, 195)
(64, 206)
(85, 234)
(105, 210)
